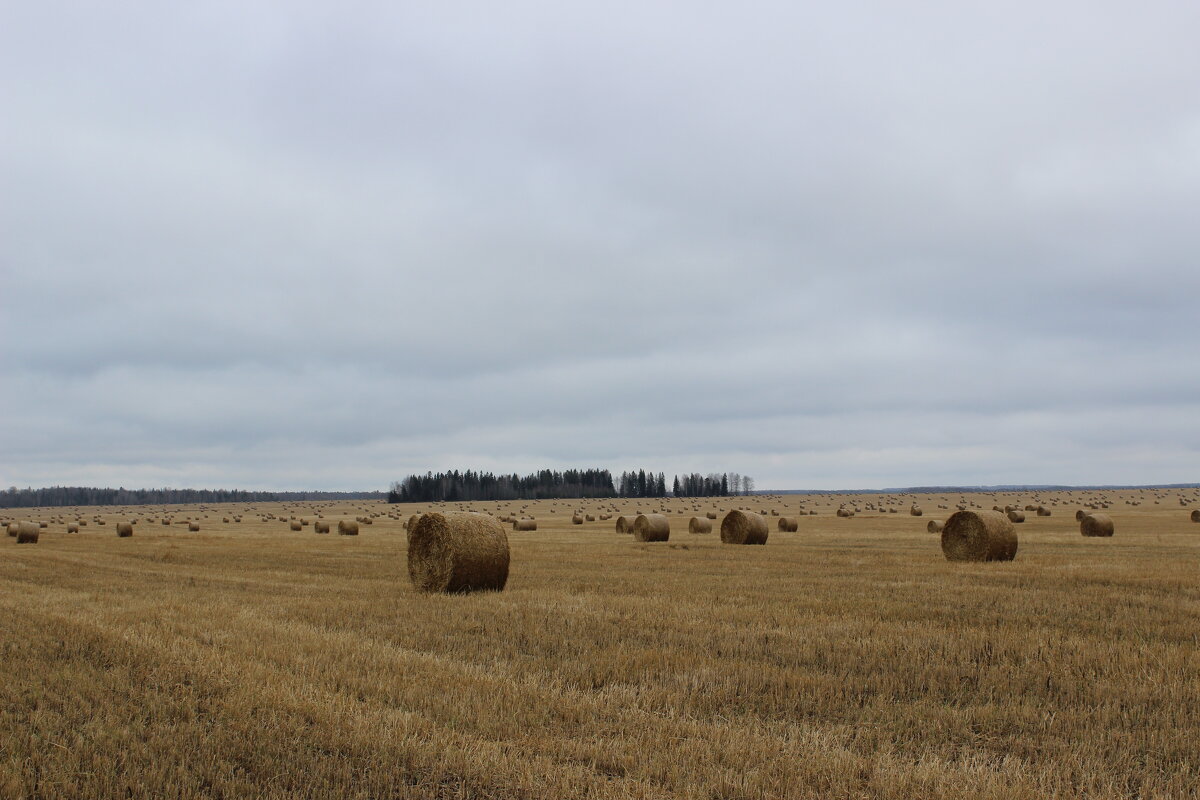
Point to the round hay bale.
(1196, 515)
(916, 511)
(625, 523)
(589, 518)
(743, 527)
(1079, 515)
(711, 515)
(124, 530)
(789, 524)
(845, 512)
(347, 527)
(1042, 511)
(28, 532)
(294, 525)
(73, 528)
(320, 527)
(576, 519)
(525, 525)
(193, 526)
(1096, 525)
(1015, 516)
(979, 536)
(934, 526)
(458, 552)
(698, 525)
(651, 528)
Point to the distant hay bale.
(711, 515)
(193, 526)
(1196, 515)
(589, 518)
(743, 527)
(915, 510)
(576, 519)
(1079, 515)
(73, 528)
(789, 524)
(295, 525)
(1096, 525)
(845, 512)
(1042, 511)
(124, 529)
(625, 523)
(979, 536)
(934, 526)
(1016, 516)
(347, 527)
(28, 532)
(525, 525)
(320, 527)
(458, 552)
(698, 525)
(651, 528)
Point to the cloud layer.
(290, 247)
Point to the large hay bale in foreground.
(524, 525)
(625, 523)
(699, 525)
(347, 527)
(1196, 515)
(320, 527)
(979, 536)
(1096, 525)
(651, 528)
(743, 527)
(789, 524)
(457, 552)
(27, 532)
(124, 530)
(934, 526)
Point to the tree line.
(56, 496)
(468, 485)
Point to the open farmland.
(845, 659)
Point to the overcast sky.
(312, 245)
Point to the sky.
(298, 245)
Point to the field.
(848, 659)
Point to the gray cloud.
(287, 247)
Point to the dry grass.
(847, 660)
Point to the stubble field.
(848, 659)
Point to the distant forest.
(546, 484)
(90, 496)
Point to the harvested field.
(850, 661)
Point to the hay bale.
(124, 530)
(789, 524)
(576, 519)
(13, 528)
(743, 527)
(1042, 511)
(320, 527)
(28, 532)
(934, 526)
(915, 510)
(589, 518)
(1196, 515)
(625, 523)
(845, 512)
(347, 527)
(1015, 516)
(1079, 515)
(698, 525)
(979, 536)
(458, 552)
(525, 525)
(295, 525)
(711, 515)
(651, 528)
(1096, 525)
(193, 526)
(73, 528)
